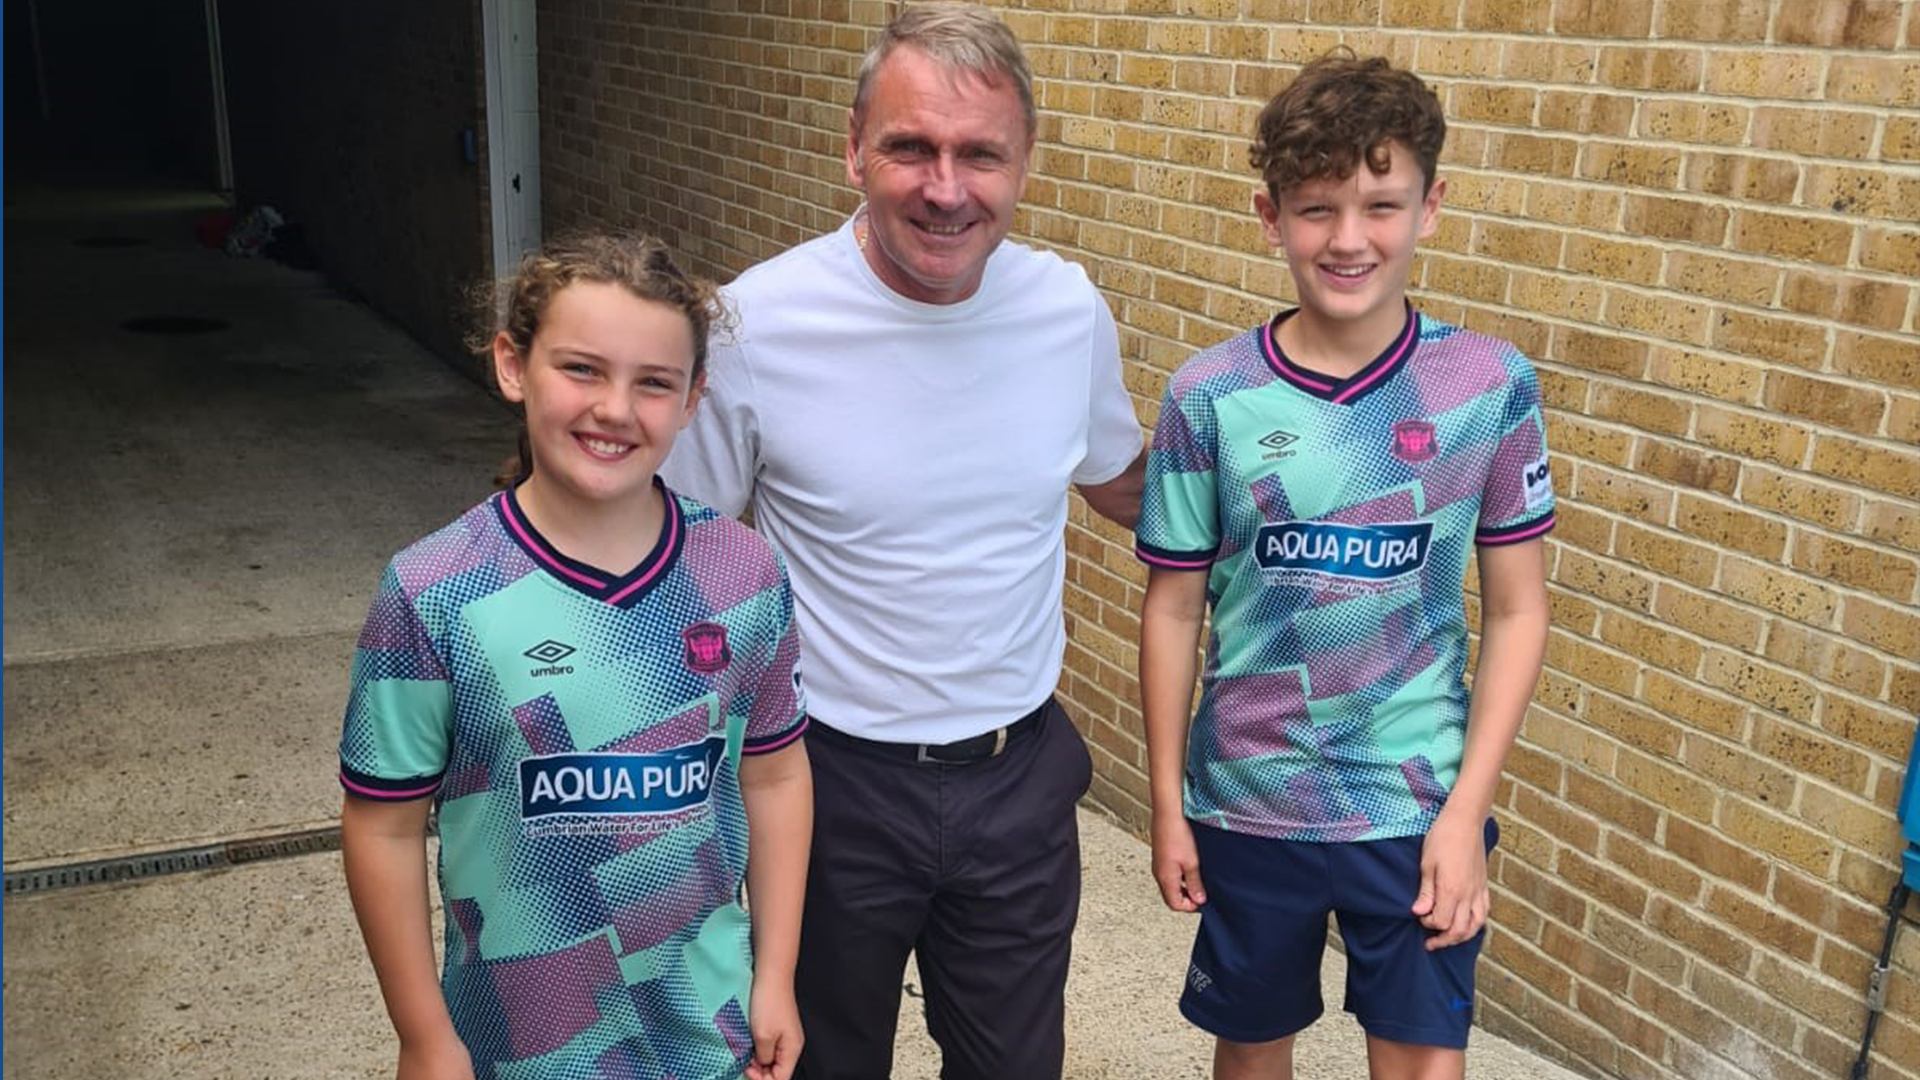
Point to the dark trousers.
(977, 868)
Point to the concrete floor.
(193, 526)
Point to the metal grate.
(179, 861)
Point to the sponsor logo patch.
(1413, 441)
(603, 785)
(707, 650)
(1536, 480)
(1354, 552)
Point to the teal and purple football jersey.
(1334, 519)
(581, 733)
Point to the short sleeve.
(716, 458)
(1113, 430)
(395, 740)
(1179, 526)
(1517, 501)
(777, 713)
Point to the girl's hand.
(439, 1059)
(1176, 863)
(774, 1020)
(1453, 897)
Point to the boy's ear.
(509, 368)
(1430, 207)
(1269, 211)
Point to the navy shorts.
(1255, 974)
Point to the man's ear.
(855, 164)
(509, 368)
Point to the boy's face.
(1349, 243)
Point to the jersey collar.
(620, 590)
(1353, 387)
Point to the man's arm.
(1513, 640)
(1118, 500)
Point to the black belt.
(960, 752)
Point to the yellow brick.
(1545, 60)
(1902, 140)
(1491, 104)
(1734, 21)
(1736, 769)
(1517, 243)
(1883, 730)
(1826, 658)
(1729, 380)
(1587, 113)
(1891, 250)
(1665, 786)
(1881, 305)
(1240, 42)
(1590, 441)
(1771, 834)
(1893, 471)
(1730, 527)
(1463, 277)
(1639, 67)
(1650, 642)
(1496, 194)
(1177, 36)
(1893, 523)
(1532, 154)
(1833, 404)
(1681, 321)
(1855, 24)
(1822, 132)
(1298, 45)
(1124, 34)
(1789, 237)
(1791, 74)
(1204, 77)
(1147, 72)
(1552, 294)
(1677, 219)
(1722, 278)
(1806, 750)
(1891, 629)
(1799, 497)
(1622, 493)
(1883, 82)
(1713, 122)
(1894, 361)
(1467, 55)
(1676, 463)
(1611, 581)
(1508, 16)
(1613, 260)
(1421, 14)
(1709, 617)
(1848, 819)
(1773, 588)
(1771, 180)
(1637, 166)
(1869, 192)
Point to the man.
(902, 407)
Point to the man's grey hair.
(961, 37)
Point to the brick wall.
(1699, 219)
(346, 116)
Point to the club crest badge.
(707, 650)
(1413, 441)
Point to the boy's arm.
(1170, 623)
(384, 848)
(1513, 639)
(777, 789)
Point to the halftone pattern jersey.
(581, 733)
(1334, 519)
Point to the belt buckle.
(921, 756)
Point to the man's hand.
(1176, 863)
(1453, 896)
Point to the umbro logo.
(1277, 442)
(550, 653)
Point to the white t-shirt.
(911, 462)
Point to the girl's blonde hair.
(638, 263)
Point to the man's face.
(942, 158)
(1349, 243)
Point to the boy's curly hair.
(1340, 109)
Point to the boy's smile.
(1349, 245)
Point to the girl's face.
(607, 385)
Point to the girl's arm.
(778, 791)
(1170, 623)
(1453, 896)
(384, 846)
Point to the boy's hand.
(1176, 863)
(774, 1020)
(440, 1059)
(1453, 896)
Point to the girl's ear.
(509, 368)
(694, 393)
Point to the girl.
(591, 681)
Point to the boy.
(1319, 482)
